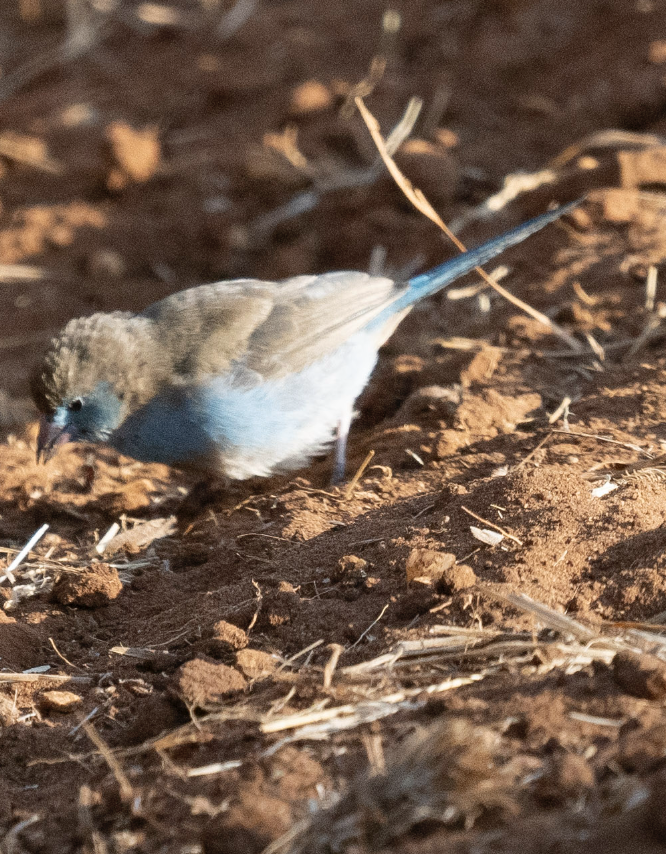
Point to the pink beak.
(49, 438)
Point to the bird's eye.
(75, 405)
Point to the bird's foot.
(202, 495)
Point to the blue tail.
(446, 273)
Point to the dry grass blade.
(608, 439)
(359, 474)
(84, 30)
(420, 202)
(94, 841)
(561, 169)
(142, 653)
(492, 525)
(391, 24)
(514, 186)
(562, 409)
(10, 843)
(106, 539)
(651, 288)
(21, 556)
(534, 451)
(260, 598)
(21, 273)
(653, 323)
(294, 658)
(655, 318)
(232, 21)
(320, 723)
(61, 656)
(549, 617)
(345, 179)
(611, 138)
(336, 651)
(595, 720)
(373, 623)
(214, 768)
(647, 470)
(467, 344)
(46, 677)
(650, 474)
(420, 660)
(29, 151)
(124, 785)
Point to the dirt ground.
(300, 668)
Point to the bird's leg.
(340, 454)
(210, 490)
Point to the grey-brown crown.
(118, 348)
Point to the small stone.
(641, 749)
(426, 563)
(351, 563)
(61, 235)
(229, 634)
(94, 587)
(431, 404)
(203, 684)
(482, 367)
(279, 607)
(351, 570)
(657, 52)
(107, 263)
(62, 702)
(256, 664)
(567, 777)
(136, 152)
(9, 714)
(447, 137)
(641, 675)
(456, 578)
(310, 97)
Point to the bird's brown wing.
(271, 329)
(206, 329)
(313, 316)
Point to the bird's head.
(96, 372)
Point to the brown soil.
(158, 160)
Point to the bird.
(237, 379)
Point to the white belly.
(280, 424)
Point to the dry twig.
(417, 198)
(124, 785)
(492, 525)
(349, 491)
